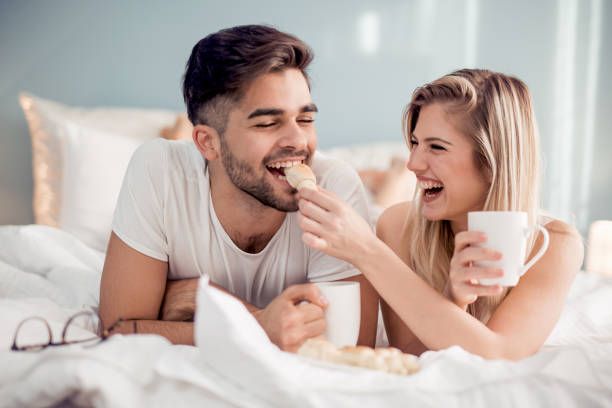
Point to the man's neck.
(248, 223)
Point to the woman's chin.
(430, 215)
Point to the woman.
(474, 146)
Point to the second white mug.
(343, 315)
(507, 232)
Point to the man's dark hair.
(222, 66)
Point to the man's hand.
(289, 322)
(180, 300)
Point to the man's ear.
(207, 141)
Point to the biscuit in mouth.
(278, 168)
(300, 176)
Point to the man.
(220, 205)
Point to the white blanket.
(46, 272)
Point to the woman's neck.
(459, 224)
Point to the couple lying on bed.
(221, 206)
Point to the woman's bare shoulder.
(556, 226)
(566, 241)
(392, 222)
(565, 250)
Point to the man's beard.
(242, 175)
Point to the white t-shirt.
(165, 211)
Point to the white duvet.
(46, 272)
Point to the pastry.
(300, 176)
(388, 359)
(320, 349)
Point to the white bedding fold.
(41, 261)
(281, 379)
(47, 272)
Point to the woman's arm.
(520, 324)
(390, 229)
(518, 327)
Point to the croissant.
(388, 359)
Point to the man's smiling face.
(270, 129)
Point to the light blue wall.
(132, 53)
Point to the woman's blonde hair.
(495, 112)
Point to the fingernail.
(323, 300)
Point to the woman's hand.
(463, 285)
(332, 226)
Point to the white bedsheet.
(46, 272)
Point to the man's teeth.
(426, 185)
(278, 165)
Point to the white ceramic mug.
(343, 315)
(507, 232)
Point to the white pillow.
(79, 157)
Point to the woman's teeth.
(426, 185)
(431, 189)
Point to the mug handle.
(537, 256)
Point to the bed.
(52, 270)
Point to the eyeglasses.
(92, 341)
